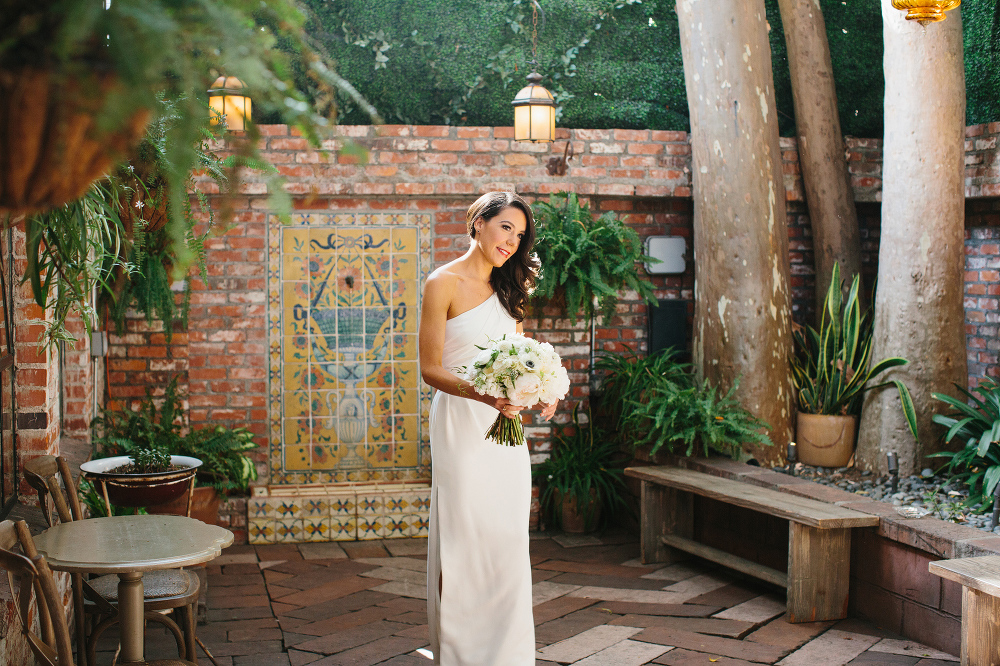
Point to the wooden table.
(980, 580)
(129, 546)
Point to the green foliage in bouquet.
(585, 465)
(586, 257)
(976, 424)
(656, 401)
(830, 367)
(223, 451)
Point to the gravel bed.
(915, 496)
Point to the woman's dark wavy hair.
(515, 280)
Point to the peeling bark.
(742, 297)
(918, 308)
(834, 218)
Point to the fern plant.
(586, 258)
(656, 401)
(222, 451)
(584, 466)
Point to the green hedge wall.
(611, 63)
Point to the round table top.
(124, 544)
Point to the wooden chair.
(96, 599)
(27, 572)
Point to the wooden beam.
(819, 573)
(729, 560)
(980, 628)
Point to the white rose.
(483, 357)
(526, 389)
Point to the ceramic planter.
(572, 518)
(140, 489)
(51, 149)
(204, 505)
(825, 440)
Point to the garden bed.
(890, 582)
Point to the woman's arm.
(438, 292)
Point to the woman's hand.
(506, 407)
(549, 410)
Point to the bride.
(478, 571)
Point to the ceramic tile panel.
(371, 527)
(343, 528)
(371, 504)
(261, 530)
(289, 531)
(367, 513)
(346, 402)
(260, 507)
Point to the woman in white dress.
(478, 568)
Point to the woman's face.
(499, 237)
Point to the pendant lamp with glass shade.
(230, 103)
(534, 106)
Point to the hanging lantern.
(230, 103)
(925, 11)
(534, 112)
(534, 106)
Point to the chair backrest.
(33, 575)
(42, 474)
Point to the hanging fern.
(586, 257)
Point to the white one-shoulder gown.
(480, 502)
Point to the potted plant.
(143, 478)
(832, 369)
(656, 401)
(222, 452)
(79, 80)
(586, 261)
(582, 479)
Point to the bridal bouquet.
(524, 371)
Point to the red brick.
(473, 132)
(456, 145)
(439, 158)
(432, 130)
(414, 188)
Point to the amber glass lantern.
(230, 103)
(925, 11)
(534, 112)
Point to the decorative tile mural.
(346, 401)
(339, 514)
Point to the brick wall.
(37, 378)
(643, 175)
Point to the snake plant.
(832, 366)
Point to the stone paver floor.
(362, 603)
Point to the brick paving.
(361, 603)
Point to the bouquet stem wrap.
(524, 371)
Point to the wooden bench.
(980, 580)
(819, 535)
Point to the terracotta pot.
(140, 489)
(825, 440)
(204, 505)
(51, 149)
(572, 518)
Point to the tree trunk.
(821, 147)
(742, 301)
(918, 308)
